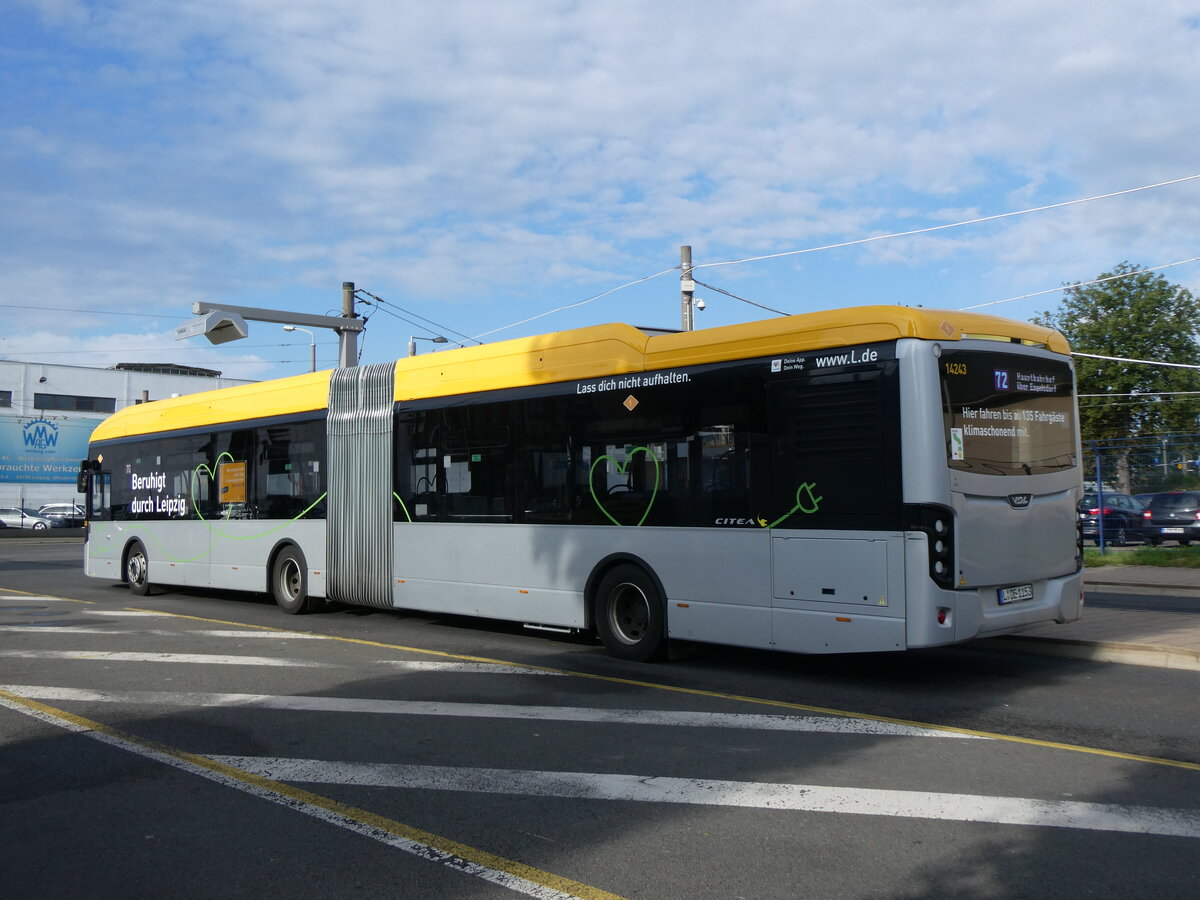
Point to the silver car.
(15, 517)
(62, 515)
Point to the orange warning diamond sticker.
(630, 402)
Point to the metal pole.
(1099, 503)
(348, 340)
(686, 287)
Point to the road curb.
(1099, 651)
(1156, 590)
(62, 536)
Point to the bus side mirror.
(83, 479)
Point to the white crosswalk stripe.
(746, 794)
(210, 659)
(127, 613)
(669, 718)
(413, 665)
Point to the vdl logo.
(40, 436)
(1001, 379)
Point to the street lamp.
(312, 346)
(412, 342)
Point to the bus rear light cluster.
(937, 522)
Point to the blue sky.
(478, 163)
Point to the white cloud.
(534, 152)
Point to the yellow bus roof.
(580, 354)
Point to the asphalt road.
(207, 745)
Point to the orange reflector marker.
(843, 619)
(522, 590)
(682, 605)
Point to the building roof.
(167, 369)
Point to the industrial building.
(47, 413)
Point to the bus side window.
(424, 480)
(540, 479)
(289, 477)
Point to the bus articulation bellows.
(867, 479)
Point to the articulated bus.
(867, 479)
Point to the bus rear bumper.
(987, 611)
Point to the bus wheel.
(289, 582)
(137, 570)
(629, 615)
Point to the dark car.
(1123, 518)
(63, 515)
(1174, 516)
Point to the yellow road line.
(44, 594)
(461, 857)
(737, 698)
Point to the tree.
(1134, 316)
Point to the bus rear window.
(1007, 414)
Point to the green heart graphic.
(621, 470)
(212, 476)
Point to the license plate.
(1172, 531)
(1016, 594)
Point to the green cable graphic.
(402, 506)
(621, 471)
(807, 487)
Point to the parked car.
(1123, 518)
(1173, 516)
(63, 515)
(16, 517)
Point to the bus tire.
(289, 582)
(630, 615)
(137, 569)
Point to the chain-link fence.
(1143, 465)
